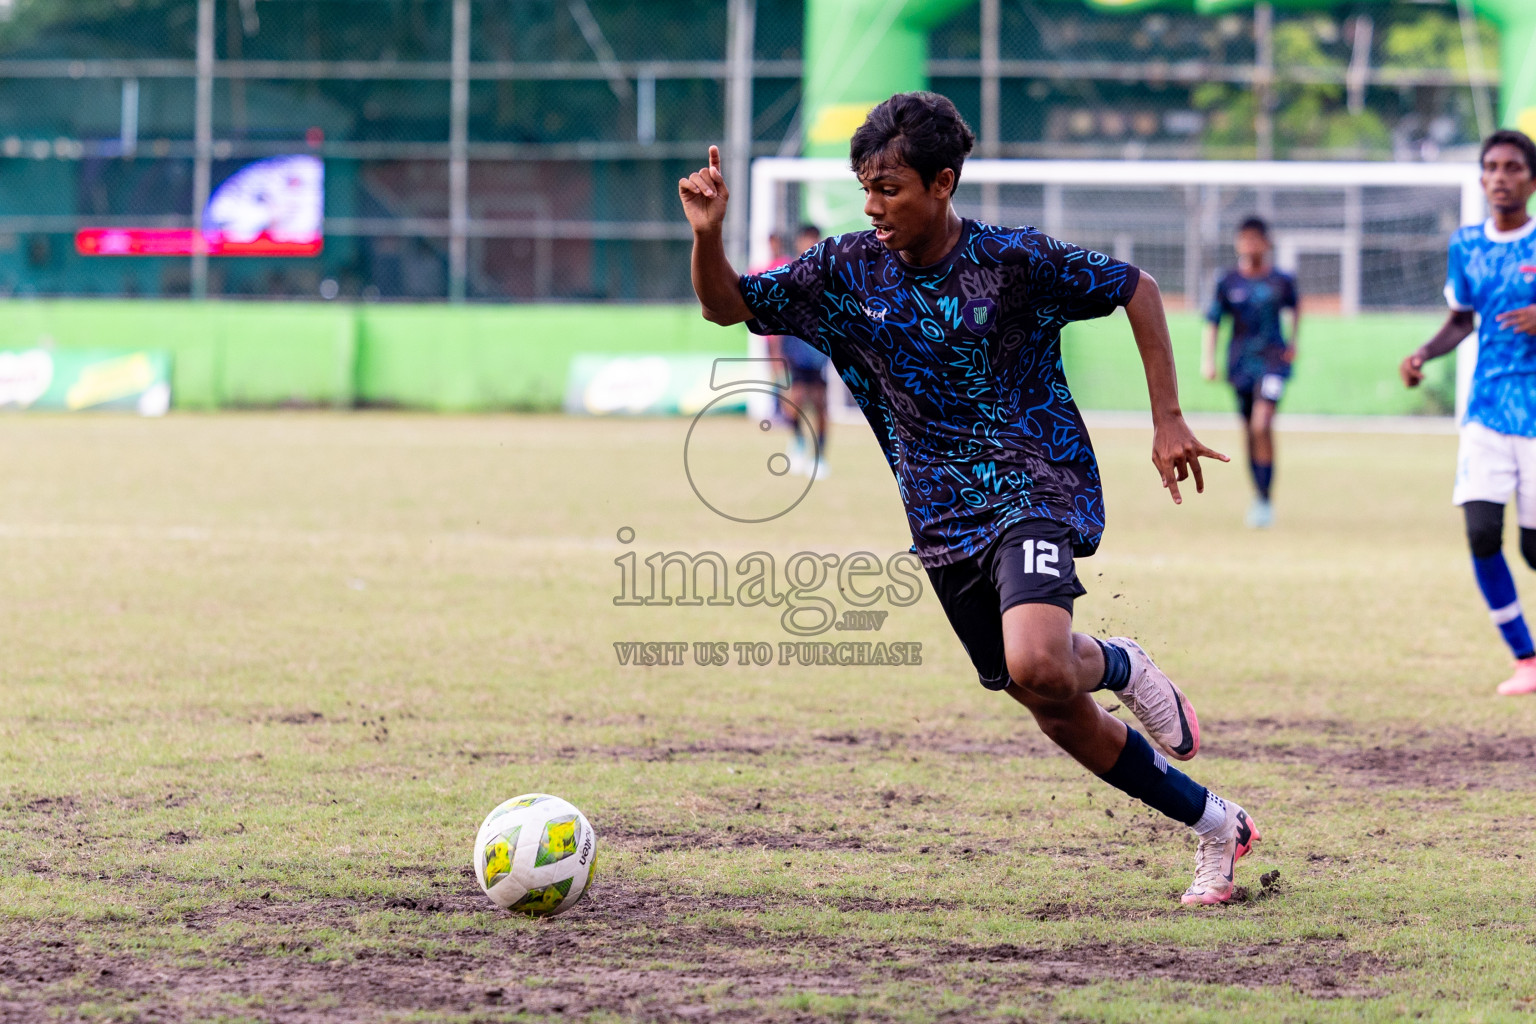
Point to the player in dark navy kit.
(806, 395)
(1261, 352)
(807, 386)
(947, 332)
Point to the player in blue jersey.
(947, 332)
(1261, 352)
(1491, 286)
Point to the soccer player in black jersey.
(947, 332)
(1259, 356)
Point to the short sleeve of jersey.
(1086, 284)
(1289, 296)
(1458, 290)
(1218, 301)
(787, 299)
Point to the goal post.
(1360, 236)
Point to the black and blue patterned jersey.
(1258, 344)
(1491, 272)
(957, 367)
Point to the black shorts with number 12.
(1031, 563)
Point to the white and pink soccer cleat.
(1523, 681)
(1216, 857)
(1158, 704)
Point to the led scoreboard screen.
(273, 207)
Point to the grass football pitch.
(264, 674)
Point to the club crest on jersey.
(978, 315)
(1528, 272)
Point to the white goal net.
(1361, 237)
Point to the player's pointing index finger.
(1212, 453)
(714, 157)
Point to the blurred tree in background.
(98, 28)
(1433, 40)
(1310, 118)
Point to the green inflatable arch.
(860, 51)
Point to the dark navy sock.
(1117, 666)
(1263, 476)
(1144, 773)
(1498, 588)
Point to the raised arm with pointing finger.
(704, 196)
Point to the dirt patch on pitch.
(636, 952)
(1442, 757)
(1354, 755)
(738, 837)
(837, 747)
(1319, 968)
(1420, 760)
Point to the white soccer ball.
(535, 854)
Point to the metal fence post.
(458, 156)
(991, 103)
(128, 132)
(202, 135)
(1351, 259)
(1264, 79)
(738, 124)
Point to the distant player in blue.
(1260, 354)
(1491, 285)
(947, 332)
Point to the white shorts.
(1271, 387)
(1491, 466)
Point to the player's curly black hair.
(1510, 137)
(920, 129)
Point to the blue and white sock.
(1214, 816)
(1498, 588)
(1145, 774)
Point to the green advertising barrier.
(479, 358)
(1344, 366)
(263, 355)
(76, 380)
(650, 385)
(223, 355)
(511, 357)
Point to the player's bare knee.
(1042, 672)
(1057, 729)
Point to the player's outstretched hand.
(1176, 453)
(1522, 320)
(1412, 370)
(704, 195)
